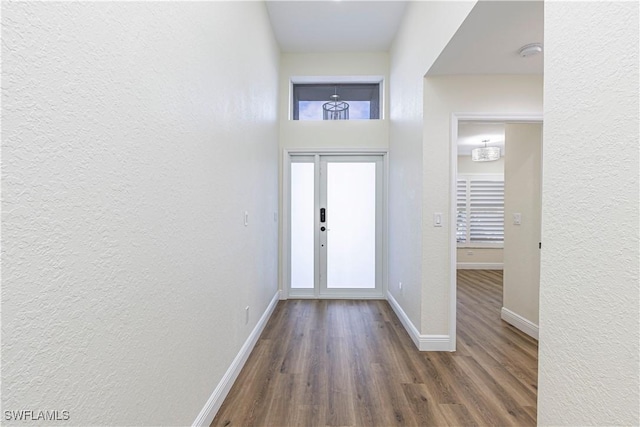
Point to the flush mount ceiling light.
(335, 109)
(485, 154)
(530, 49)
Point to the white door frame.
(453, 142)
(285, 209)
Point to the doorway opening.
(496, 219)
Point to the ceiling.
(488, 41)
(335, 26)
(471, 135)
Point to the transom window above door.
(336, 101)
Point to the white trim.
(453, 220)
(455, 118)
(285, 208)
(498, 117)
(385, 226)
(336, 151)
(208, 413)
(317, 186)
(336, 79)
(479, 266)
(519, 322)
(422, 342)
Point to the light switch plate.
(517, 218)
(437, 219)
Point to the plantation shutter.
(461, 211)
(480, 210)
(486, 215)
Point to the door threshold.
(353, 297)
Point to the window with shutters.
(480, 211)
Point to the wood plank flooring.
(351, 363)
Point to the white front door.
(336, 226)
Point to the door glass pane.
(302, 225)
(351, 220)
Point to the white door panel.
(347, 216)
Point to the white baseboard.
(479, 266)
(422, 342)
(208, 413)
(519, 322)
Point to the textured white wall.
(522, 194)
(426, 29)
(589, 355)
(488, 94)
(134, 137)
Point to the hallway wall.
(589, 303)
(444, 95)
(522, 194)
(333, 133)
(426, 29)
(134, 137)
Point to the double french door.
(335, 224)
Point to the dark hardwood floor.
(351, 363)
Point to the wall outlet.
(400, 285)
(246, 315)
(246, 218)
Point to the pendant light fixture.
(485, 154)
(335, 109)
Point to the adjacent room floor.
(351, 363)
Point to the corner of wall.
(423, 342)
(410, 59)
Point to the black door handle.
(323, 215)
